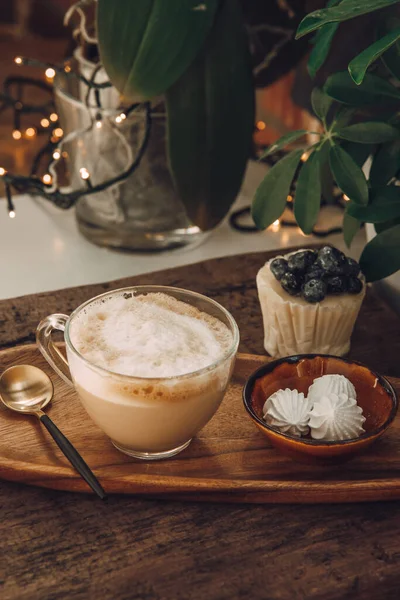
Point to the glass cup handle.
(50, 351)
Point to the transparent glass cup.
(147, 418)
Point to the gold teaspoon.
(27, 389)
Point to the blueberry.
(278, 267)
(336, 284)
(354, 285)
(331, 260)
(314, 290)
(301, 261)
(291, 283)
(352, 268)
(314, 272)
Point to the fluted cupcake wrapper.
(296, 327)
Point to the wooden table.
(64, 545)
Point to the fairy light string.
(47, 187)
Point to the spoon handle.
(73, 456)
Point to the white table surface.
(42, 249)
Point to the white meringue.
(336, 417)
(331, 384)
(288, 411)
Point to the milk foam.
(153, 335)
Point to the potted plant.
(197, 59)
(359, 111)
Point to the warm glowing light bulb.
(18, 60)
(50, 73)
(123, 116)
(275, 225)
(84, 173)
(17, 135)
(30, 132)
(53, 117)
(260, 125)
(346, 198)
(67, 68)
(11, 214)
(304, 156)
(56, 154)
(45, 123)
(289, 198)
(2, 171)
(58, 132)
(99, 124)
(47, 178)
(118, 119)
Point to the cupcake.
(310, 301)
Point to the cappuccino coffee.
(154, 368)
(153, 335)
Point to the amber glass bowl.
(375, 395)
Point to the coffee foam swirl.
(152, 335)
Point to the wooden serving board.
(229, 461)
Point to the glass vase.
(143, 212)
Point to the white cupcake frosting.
(330, 384)
(288, 411)
(336, 417)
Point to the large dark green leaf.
(391, 58)
(283, 141)
(373, 89)
(372, 132)
(322, 45)
(146, 46)
(384, 205)
(211, 120)
(381, 256)
(325, 173)
(271, 196)
(345, 11)
(385, 164)
(308, 194)
(342, 117)
(359, 65)
(321, 103)
(351, 227)
(358, 152)
(379, 227)
(348, 175)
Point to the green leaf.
(371, 132)
(342, 88)
(320, 51)
(384, 205)
(271, 196)
(321, 103)
(391, 58)
(358, 152)
(359, 65)
(285, 140)
(345, 11)
(325, 172)
(342, 117)
(146, 46)
(386, 225)
(351, 227)
(348, 175)
(209, 133)
(381, 256)
(385, 164)
(307, 200)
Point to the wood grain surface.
(57, 545)
(230, 460)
